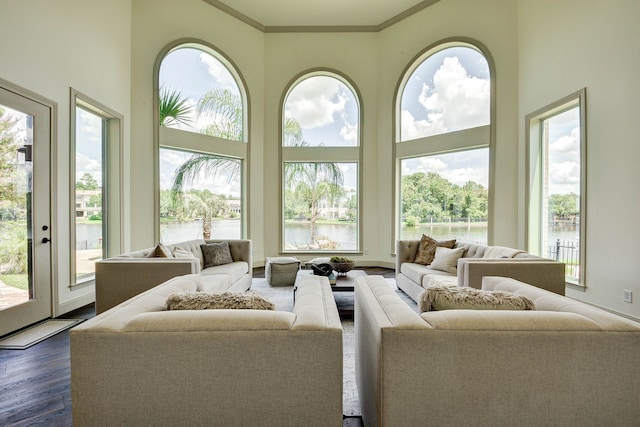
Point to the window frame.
(534, 179)
(319, 154)
(454, 141)
(191, 142)
(112, 181)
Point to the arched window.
(202, 145)
(443, 120)
(320, 164)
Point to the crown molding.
(321, 28)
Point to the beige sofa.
(564, 364)
(477, 261)
(137, 365)
(124, 276)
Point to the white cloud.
(349, 132)
(412, 128)
(462, 176)
(567, 146)
(431, 164)
(564, 178)
(219, 72)
(85, 164)
(456, 101)
(314, 101)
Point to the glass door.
(25, 248)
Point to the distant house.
(84, 207)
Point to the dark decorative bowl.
(342, 268)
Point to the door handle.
(45, 240)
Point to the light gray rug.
(282, 297)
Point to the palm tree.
(206, 205)
(225, 109)
(316, 181)
(173, 108)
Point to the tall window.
(556, 185)
(443, 135)
(320, 170)
(202, 139)
(96, 209)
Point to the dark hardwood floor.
(35, 383)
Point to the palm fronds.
(173, 108)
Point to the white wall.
(48, 47)
(565, 46)
(157, 23)
(287, 56)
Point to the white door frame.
(43, 204)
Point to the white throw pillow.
(179, 252)
(447, 259)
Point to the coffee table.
(342, 290)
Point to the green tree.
(475, 200)
(13, 209)
(429, 196)
(564, 206)
(87, 182)
(12, 182)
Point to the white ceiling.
(324, 15)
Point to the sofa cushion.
(182, 253)
(234, 270)
(447, 259)
(423, 275)
(427, 249)
(217, 300)
(160, 251)
(439, 278)
(216, 254)
(449, 298)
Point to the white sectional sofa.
(563, 364)
(139, 365)
(477, 261)
(122, 277)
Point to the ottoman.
(281, 271)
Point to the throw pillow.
(217, 300)
(216, 254)
(447, 259)
(179, 252)
(452, 298)
(160, 251)
(427, 249)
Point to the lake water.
(88, 236)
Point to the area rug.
(25, 338)
(282, 297)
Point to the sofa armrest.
(539, 272)
(118, 279)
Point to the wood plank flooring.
(35, 383)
